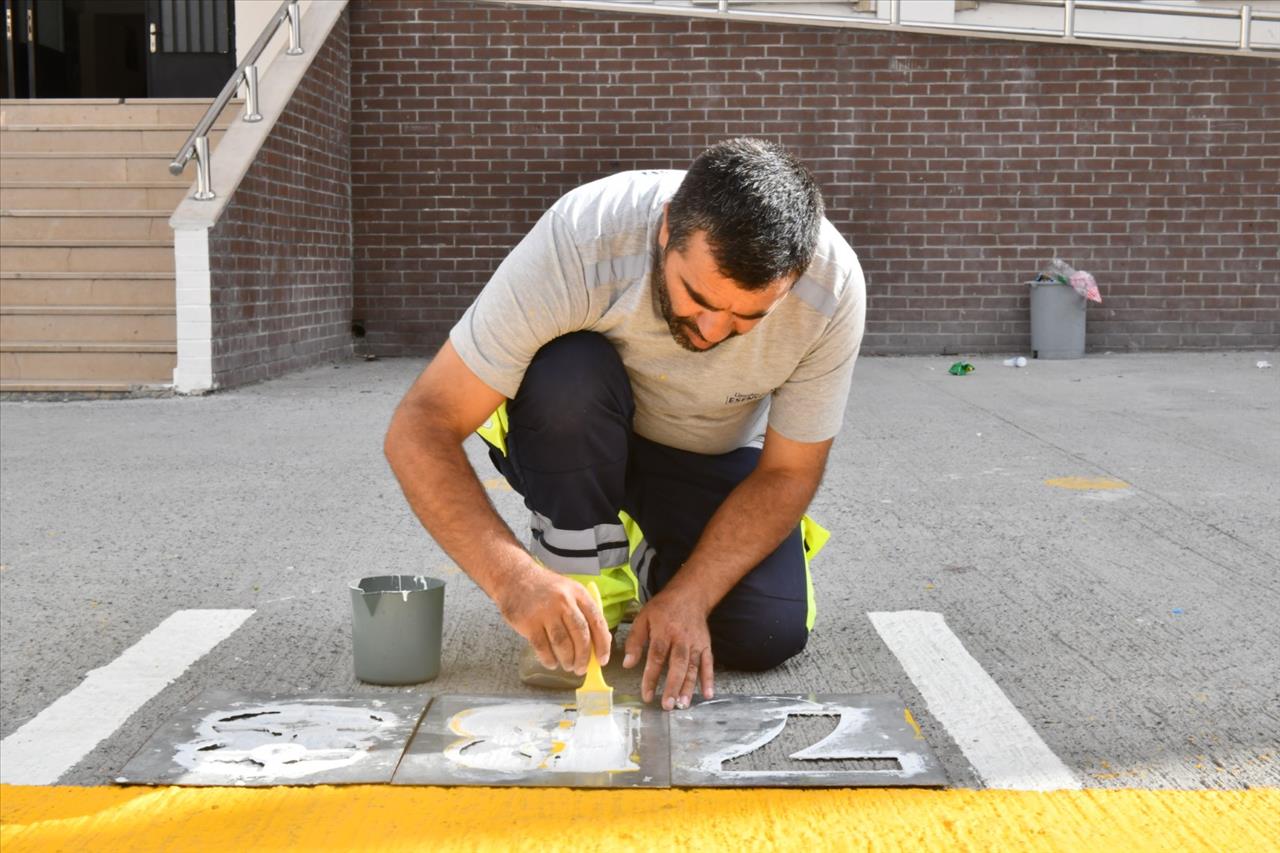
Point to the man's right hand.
(424, 447)
(558, 618)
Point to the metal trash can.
(1057, 320)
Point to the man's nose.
(714, 326)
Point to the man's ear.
(663, 234)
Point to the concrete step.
(88, 195)
(86, 253)
(79, 290)
(91, 139)
(85, 257)
(98, 226)
(31, 166)
(77, 386)
(132, 111)
(112, 324)
(30, 361)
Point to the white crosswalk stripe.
(1003, 748)
(57, 738)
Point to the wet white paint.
(774, 716)
(852, 722)
(775, 720)
(520, 737)
(596, 743)
(417, 583)
(282, 741)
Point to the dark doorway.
(14, 76)
(117, 48)
(192, 47)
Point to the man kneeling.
(659, 369)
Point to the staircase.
(86, 252)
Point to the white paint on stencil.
(515, 737)
(282, 740)
(909, 764)
(773, 713)
(524, 736)
(852, 721)
(57, 738)
(597, 744)
(1003, 748)
(712, 762)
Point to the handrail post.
(295, 29)
(197, 143)
(1246, 23)
(203, 190)
(251, 96)
(1069, 19)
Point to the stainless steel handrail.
(1068, 31)
(1246, 15)
(197, 144)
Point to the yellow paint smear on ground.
(1087, 483)
(512, 819)
(911, 721)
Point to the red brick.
(1151, 169)
(281, 255)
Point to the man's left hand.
(674, 627)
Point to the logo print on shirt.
(742, 398)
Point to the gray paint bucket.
(396, 628)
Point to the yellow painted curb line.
(512, 819)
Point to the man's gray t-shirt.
(586, 266)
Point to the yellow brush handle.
(595, 678)
(595, 594)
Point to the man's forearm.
(444, 492)
(748, 526)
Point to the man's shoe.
(534, 674)
(632, 611)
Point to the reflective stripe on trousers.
(617, 556)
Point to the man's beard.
(680, 327)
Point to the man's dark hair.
(759, 207)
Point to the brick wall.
(955, 167)
(280, 255)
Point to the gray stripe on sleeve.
(615, 269)
(816, 296)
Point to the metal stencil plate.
(225, 738)
(537, 741)
(872, 729)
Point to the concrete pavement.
(1128, 614)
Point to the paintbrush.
(595, 698)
